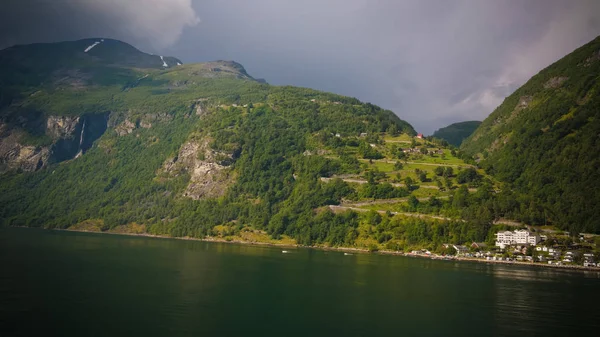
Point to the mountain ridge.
(543, 140)
(205, 150)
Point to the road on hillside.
(416, 215)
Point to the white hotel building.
(518, 237)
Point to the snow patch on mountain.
(92, 46)
(163, 61)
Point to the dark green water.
(76, 284)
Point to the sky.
(432, 62)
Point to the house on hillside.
(478, 245)
(460, 250)
(420, 136)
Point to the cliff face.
(15, 156)
(61, 138)
(208, 169)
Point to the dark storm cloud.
(154, 23)
(432, 62)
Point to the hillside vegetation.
(544, 141)
(206, 151)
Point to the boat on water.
(284, 251)
(347, 254)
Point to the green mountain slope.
(456, 133)
(206, 151)
(178, 150)
(544, 141)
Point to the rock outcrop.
(63, 138)
(61, 126)
(14, 155)
(125, 128)
(146, 121)
(209, 175)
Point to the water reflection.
(157, 287)
(535, 297)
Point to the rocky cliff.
(61, 138)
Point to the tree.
(448, 172)
(460, 198)
(448, 183)
(439, 171)
(393, 130)
(368, 152)
(423, 176)
(373, 218)
(409, 183)
(398, 166)
(413, 202)
(434, 202)
(467, 176)
(374, 176)
(394, 150)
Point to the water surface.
(79, 284)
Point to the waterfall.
(80, 152)
(81, 137)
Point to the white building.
(518, 237)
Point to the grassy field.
(448, 159)
(402, 138)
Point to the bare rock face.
(208, 177)
(129, 125)
(594, 58)
(125, 128)
(68, 137)
(555, 82)
(200, 107)
(61, 126)
(524, 102)
(14, 155)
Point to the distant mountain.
(456, 133)
(544, 140)
(39, 63)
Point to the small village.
(525, 246)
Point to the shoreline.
(345, 249)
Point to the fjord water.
(81, 284)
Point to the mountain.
(96, 135)
(544, 141)
(58, 98)
(456, 133)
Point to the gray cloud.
(432, 62)
(156, 23)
